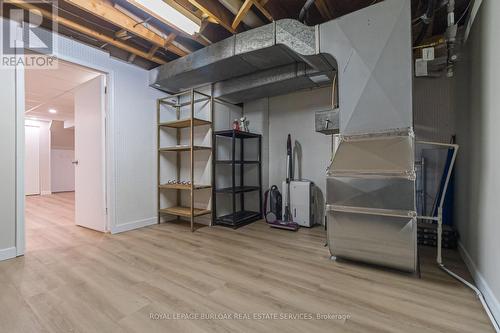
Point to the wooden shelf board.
(183, 123)
(184, 211)
(184, 148)
(183, 186)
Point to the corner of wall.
(489, 296)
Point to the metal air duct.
(370, 183)
(257, 55)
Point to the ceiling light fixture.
(53, 111)
(164, 12)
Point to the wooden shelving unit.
(176, 102)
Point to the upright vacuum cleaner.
(287, 222)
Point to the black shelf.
(238, 219)
(237, 134)
(238, 189)
(241, 217)
(236, 162)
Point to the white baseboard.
(481, 283)
(133, 225)
(8, 253)
(46, 193)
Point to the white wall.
(62, 156)
(62, 170)
(292, 113)
(478, 178)
(223, 117)
(257, 113)
(45, 160)
(7, 164)
(133, 109)
(61, 137)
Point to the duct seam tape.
(317, 38)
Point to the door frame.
(109, 163)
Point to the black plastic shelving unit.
(238, 217)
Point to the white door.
(63, 171)
(90, 194)
(32, 160)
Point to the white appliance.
(301, 202)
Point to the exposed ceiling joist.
(87, 31)
(216, 11)
(245, 7)
(323, 9)
(182, 7)
(187, 9)
(195, 37)
(153, 50)
(260, 6)
(105, 10)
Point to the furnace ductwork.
(370, 185)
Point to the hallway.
(50, 224)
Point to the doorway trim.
(109, 147)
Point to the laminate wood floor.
(77, 280)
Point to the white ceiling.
(53, 89)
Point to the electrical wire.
(304, 10)
(426, 19)
(466, 11)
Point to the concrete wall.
(478, 179)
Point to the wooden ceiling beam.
(106, 11)
(242, 12)
(245, 8)
(180, 32)
(182, 7)
(87, 31)
(196, 15)
(216, 11)
(260, 6)
(323, 9)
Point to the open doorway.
(64, 177)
